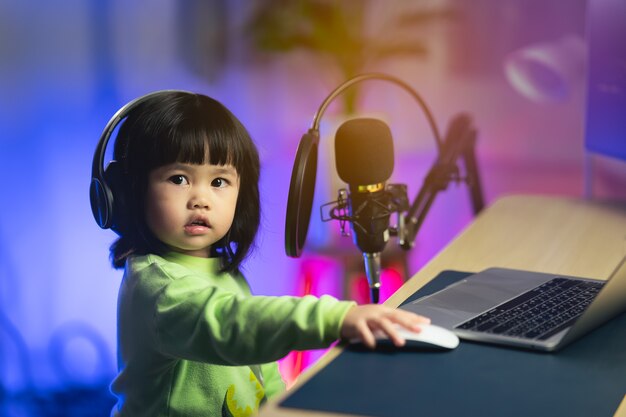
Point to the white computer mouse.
(431, 337)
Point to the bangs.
(195, 146)
(207, 133)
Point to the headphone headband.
(101, 192)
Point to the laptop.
(525, 309)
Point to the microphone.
(364, 160)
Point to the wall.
(67, 66)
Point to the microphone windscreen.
(364, 151)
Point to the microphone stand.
(372, 272)
(459, 142)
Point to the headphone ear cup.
(106, 197)
(113, 176)
(101, 200)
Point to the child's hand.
(361, 321)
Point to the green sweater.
(192, 342)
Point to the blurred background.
(67, 66)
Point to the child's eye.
(219, 182)
(178, 180)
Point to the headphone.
(106, 200)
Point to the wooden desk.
(546, 234)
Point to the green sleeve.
(272, 380)
(194, 320)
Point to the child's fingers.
(366, 335)
(390, 329)
(410, 320)
(362, 321)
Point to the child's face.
(190, 207)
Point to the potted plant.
(337, 31)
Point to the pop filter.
(301, 190)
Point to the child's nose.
(199, 202)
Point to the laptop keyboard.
(540, 312)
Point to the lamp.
(547, 71)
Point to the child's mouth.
(196, 227)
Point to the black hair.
(183, 127)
